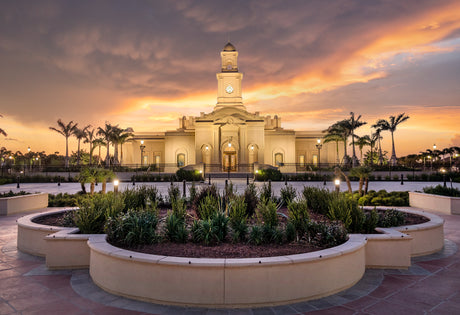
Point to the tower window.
(279, 159)
(229, 66)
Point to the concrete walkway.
(431, 285)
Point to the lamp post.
(337, 185)
(142, 147)
(443, 171)
(28, 159)
(319, 146)
(116, 182)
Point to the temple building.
(229, 138)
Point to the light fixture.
(252, 148)
(28, 149)
(115, 185)
(142, 141)
(206, 148)
(318, 140)
(337, 185)
(229, 144)
(257, 171)
(434, 146)
(201, 171)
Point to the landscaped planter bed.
(230, 282)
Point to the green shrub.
(63, 200)
(179, 208)
(89, 218)
(290, 232)
(203, 193)
(272, 235)
(175, 229)
(358, 218)
(392, 218)
(251, 199)
(298, 218)
(188, 175)
(256, 236)
(141, 197)
(269, 174)
(288, 194)
(441, 190)
(371, 222)
(192, 192)
(12, 194)
(133, 228)
(317, 199)
(267, 213)
(327, 234)
(237, 210)
(203, 231)
(208, 207)
(220, 226)
(340, 209)
(173, 193)
(240, 230)
(266, 192)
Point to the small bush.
(133, 228)
(175, 229)
(208, 207)
(298, 218)
(290, 232)
(12, 194)
(63, 200)
(266, 192)
(256, 236)
(327, 234)
(251, 199)
(179, 208)
(340, 209)
(317, 199)
(269, 174)
(371, 222)
(288, 194)
(173, 193)
(267, 213)
(441, 190)
(220, 226)
(392, 218)
(203, 231)
(188, 175)
(192, 192)
(203, 193)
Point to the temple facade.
(229, 138)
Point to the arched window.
(278, 159)
(180, 160)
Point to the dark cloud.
(80, 58)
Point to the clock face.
(229, 89)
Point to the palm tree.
(106, 133)
(391, 125)
(341, 130)
(80, 134)
(66, 130)
(122, 140)
(336, 138)
(89, 138)
(361, 142)
(2, 132)
(354, 124)
(114, 138)
(372, 141)
(362, 172)
(99, 142)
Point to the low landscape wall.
(443, 204)
(24, 203)
(229, 282)
(226, 282)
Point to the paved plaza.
(430, 285)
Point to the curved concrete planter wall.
(226, 282)
(443, 204)
(17, 204)
(229, 282)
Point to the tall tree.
(361, 142)
(80, 134)
(89, 138)
(341, 129)
(106, 133)
(334, 138)
(66, 130)
(354, 123)
(114, 138)
(391, 125)
(99, 142)
(122, 139)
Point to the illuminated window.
(302, 159)
(278, 159)
(181, 159)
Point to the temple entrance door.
(229, 160)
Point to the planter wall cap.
(22, 196)
(68, 234)
(26, 221)
(186, 261)
(258, 261)
(97, 238)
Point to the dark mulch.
(224, 250)
(56, 219)
(412, 219)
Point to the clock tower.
(229, 79)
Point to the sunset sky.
(144, 64)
